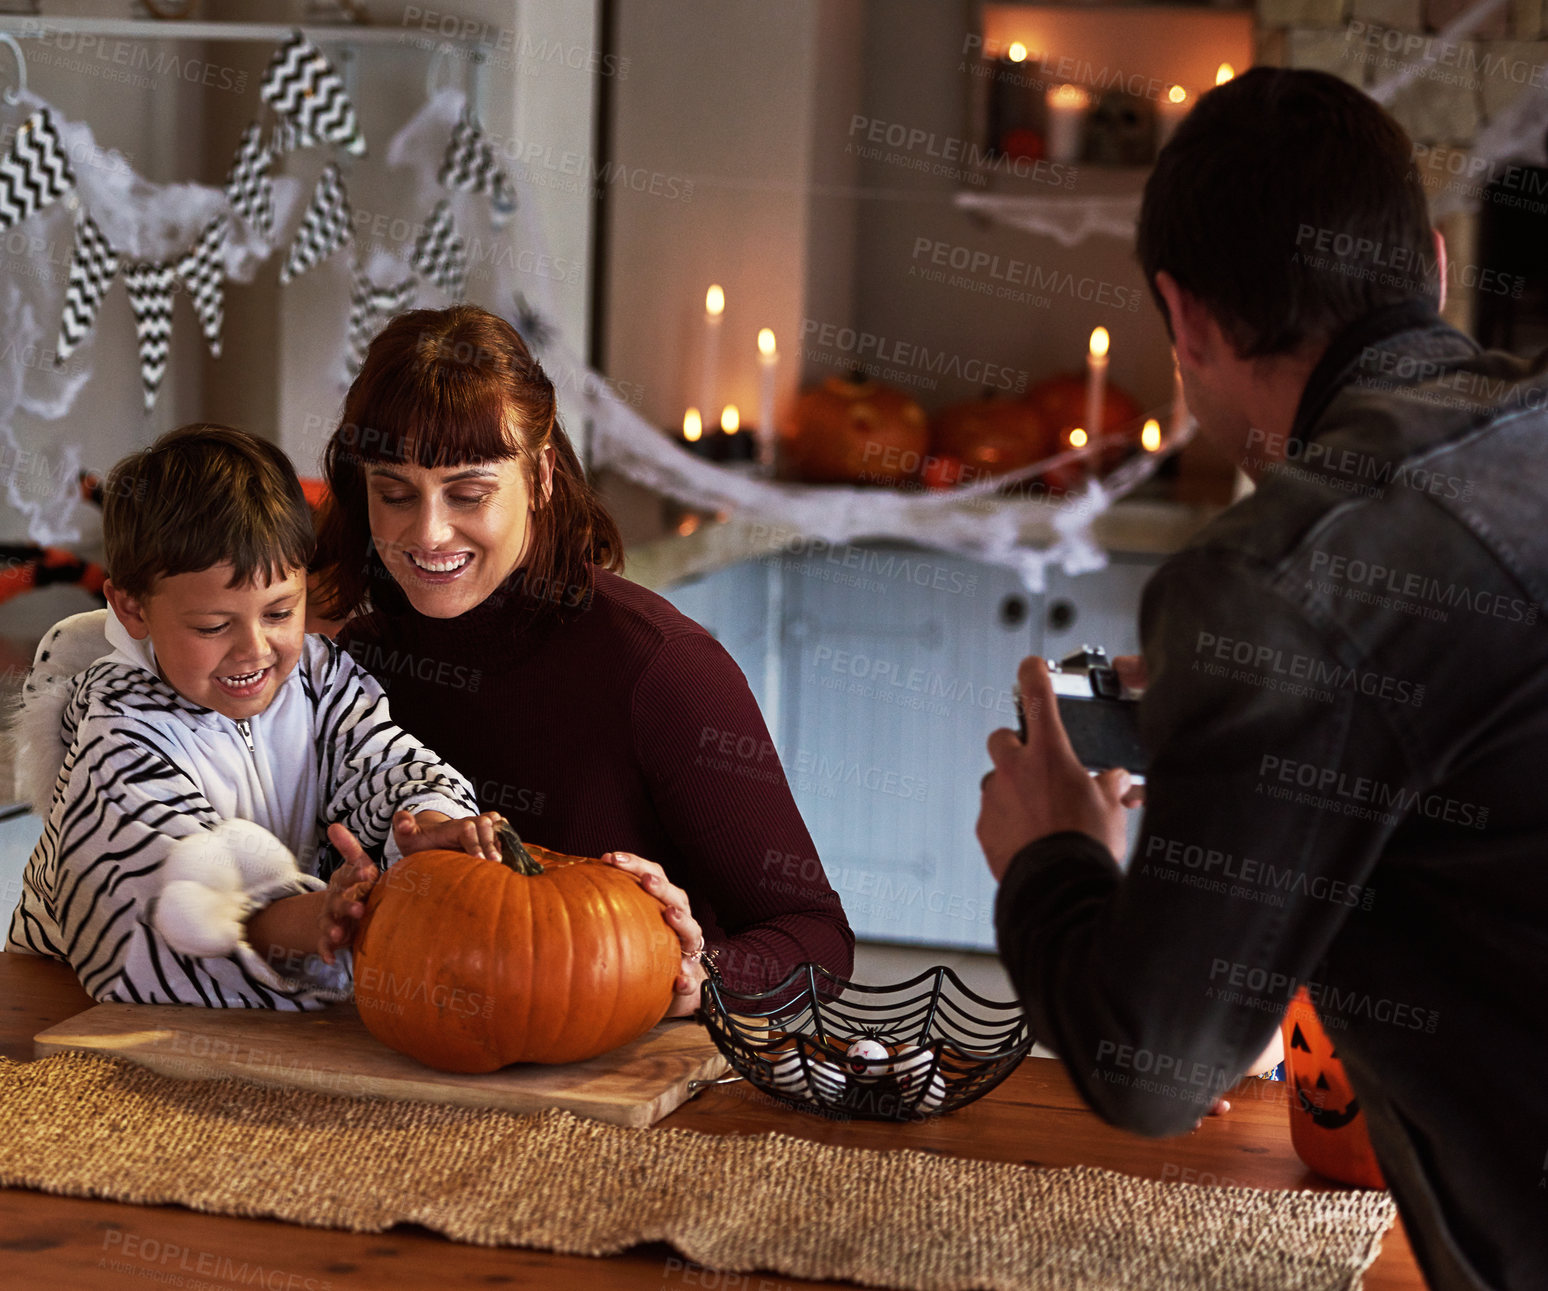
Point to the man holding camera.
(1346, 704)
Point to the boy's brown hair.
(200, 495)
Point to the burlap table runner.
(84, 1125)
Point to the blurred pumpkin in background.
(991, 436)
(1061, 402)
(1327, 1126)
(850, 430)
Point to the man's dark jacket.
(1347, 717)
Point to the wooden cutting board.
(331, 1051)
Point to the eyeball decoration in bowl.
(867, 1059)
(917, 1069)
(822, 1044)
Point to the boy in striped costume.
(202, 764)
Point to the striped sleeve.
(91, 884)
(369, 766)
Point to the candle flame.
(1078, 438)
(688, 524)
(1224, 73)
(766, 342)
(1017, 53)
(1068, 96)
(693, 426)
(1150, 436)
(714, 301)
(730, 419)
(1099, 343)
(1177, 94)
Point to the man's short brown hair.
(202, 495)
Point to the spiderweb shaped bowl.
(947, 1044)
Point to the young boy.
(193, 751)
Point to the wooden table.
(1034, 1117)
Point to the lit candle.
(1078, 438)
(730, 419)
(1150, 435)
(714, 311)
(1096, 382)
(1224, 73)
(1017, 53)
(768, 361)
(1067, 106)
(1179, 404)
(693, 426)
(1172, 108)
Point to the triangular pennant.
(324, 228)
(470, 166)
(371, 305)
(249, 185)
(93, 266)
(35, 172)
(203, 272)
(150, 296)
(439, 253)
(301, 85)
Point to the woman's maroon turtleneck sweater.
(625, 728)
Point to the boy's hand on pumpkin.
(680, 920)
(347, 891)
(431, 831)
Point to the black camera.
(1100, 713)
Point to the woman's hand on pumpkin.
(431, 831)
(347, 891)
(680, 920)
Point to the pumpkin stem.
(513, 852)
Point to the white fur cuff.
(213, 879)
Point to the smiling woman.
(479, 566)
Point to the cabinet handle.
(1013, 611)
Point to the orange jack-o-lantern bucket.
(1326, 1123)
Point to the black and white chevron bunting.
(34, 171)
(303, 88)
(249, 185)
(470, 166)
(439, 253)
(93, 266)
(203, 272)
(324, 228)
(150, 296)
(371, 305)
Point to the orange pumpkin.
(1326, 1124)
(1061, 402)
(991, 436)
(854, 431)
(468, 964)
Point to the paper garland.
(203, 272)
(302, 87)
(93, 266)
(150, 297)
(371, 305)
(34, 172)
(439, 253)
(324, 229)
(249, 186)
(470, 166)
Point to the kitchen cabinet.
(881, 670)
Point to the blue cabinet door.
(897, 665)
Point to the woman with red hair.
(477, 568)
